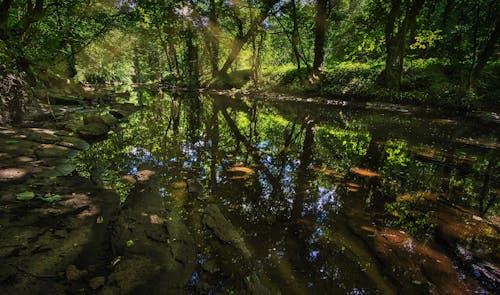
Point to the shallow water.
(327, 199)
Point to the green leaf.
(130, 243)
(51, 198)
(25, 196)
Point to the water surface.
(327, 199)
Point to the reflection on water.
(310, 187)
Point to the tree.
(400, 20)
(240, 40)
(320, 35)
(485, 54)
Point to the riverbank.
(426, 83)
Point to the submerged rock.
(224, 229)
(194, 186)
(97, 282)
(254, 285)
(163, 256)
(75, 274)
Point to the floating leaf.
(25, 196)
(51, 198)
(130, 243)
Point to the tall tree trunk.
(303, 172)
(164, 46)
(71, 62)
(173, 52)
(191, 58)
(4, 19)
(474, 39)
(486, 53)
(399, 23)
(137, 66)
(213, 39)
(295, 37)
(320, 35)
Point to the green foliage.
(416, 216)
(25, 196)
(341, 148)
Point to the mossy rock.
(96, 129)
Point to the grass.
(432, 82)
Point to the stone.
(52, 151)
(97, 282)
(95, 129)
(73, 142)
(194, 186)
(109, 119)
(224, 229)
(210, 266)
(42, 137)
(75, 274)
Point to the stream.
(210, 193)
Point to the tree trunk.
(396, 29)
(213, 39)
(4, 19)
(192, 67)
(71, 62)
(173, 52)
(320, 35)
(137, 66)
(486, 53)
(164, 46)
(239, 41)
(295, 38)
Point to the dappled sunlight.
(7, 131)
(423, 261)
(364, 172)
(25, 159)
(43, 131)
(77, 204)
(12, 174)
(329, 172)
(145, 175)
(281, 186)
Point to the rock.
(145, 175)
(224, 230)
(74, 274)
(129, 178)
(73, 125)
(7, 273)
(12, 174)
(109, 119)
(210, 266)
(179, 185)
(73, 142)
(42, 137)
(122, 110)
(97, 282)
(53, 151)
(194, 186)
(95, 129)
(65, 169)
(255, 286)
